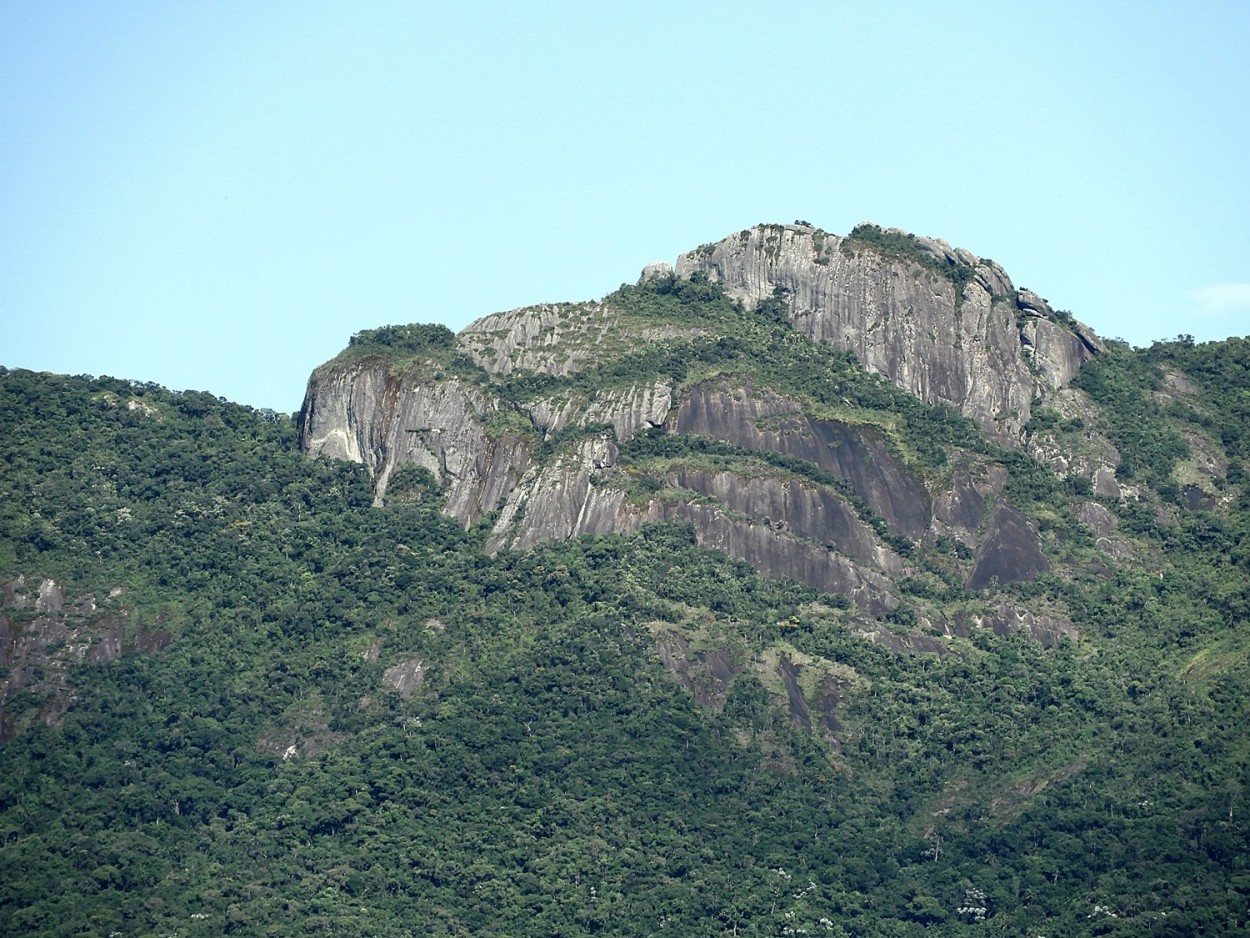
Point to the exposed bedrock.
(628, 410)
(959, 509)
(986, 349)
(360, 412)
(568, 497)
(766, 421)
(792, 507)
(779, 556)
(1010, 552)
(542, 463)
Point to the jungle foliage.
(260, 776)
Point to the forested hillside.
(240, 699)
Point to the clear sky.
(216, 195)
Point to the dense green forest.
(324, 717)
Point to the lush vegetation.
(413, 338)
(261, 774)
(1125, 383)
(900, 244)
(432, 345)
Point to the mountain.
(812, 584)
(695, 396)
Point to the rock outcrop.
(360, 412)
(627, 410)
(524, 421)
(970, 340)
(760, 419)
(1010, 552)
(45, 633)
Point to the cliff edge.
(786, 392)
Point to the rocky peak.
(938, 321)
(547, 421)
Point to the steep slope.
(542, 419)
(357, 721)
(937, 321)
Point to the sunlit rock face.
(360, 412)
(971, 341)
(520, 434)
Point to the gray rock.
(803, 510)
(406, 677)
(628, 410)
(959, 509)
(776, 554)
(761, 419)
(707, 675)
(1098, 519)
(553, 339)
(358, 411)
(1011, 551)
(656, 271)
(900, 318)
(989, 350)
(1058, 352)
(993, 279)
(1048, 629)
(559, 500)
(1030, 302)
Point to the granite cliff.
(938, 321)
(729, 392)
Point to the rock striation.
(524, 422)
(938, 321)
(360, 412)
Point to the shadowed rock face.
(959, 509)
(763, 420)
(561, 500)
(780, 556)
(800, 714)
(707, 675)
(814, 711)
(1011, 551)
(44, 634)
(808, 511)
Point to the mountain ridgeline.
(731, 394)
(810, 585)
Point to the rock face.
(361, 413)
(524, 422)
(550, 339)
(781, 527)
(628, 410)
(404, 678)
(707, 675)
(1011, 551)
(972, 341)
(44, 634)
(761, 420)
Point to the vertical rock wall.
(359, 412)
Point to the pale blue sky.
(216, 195)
